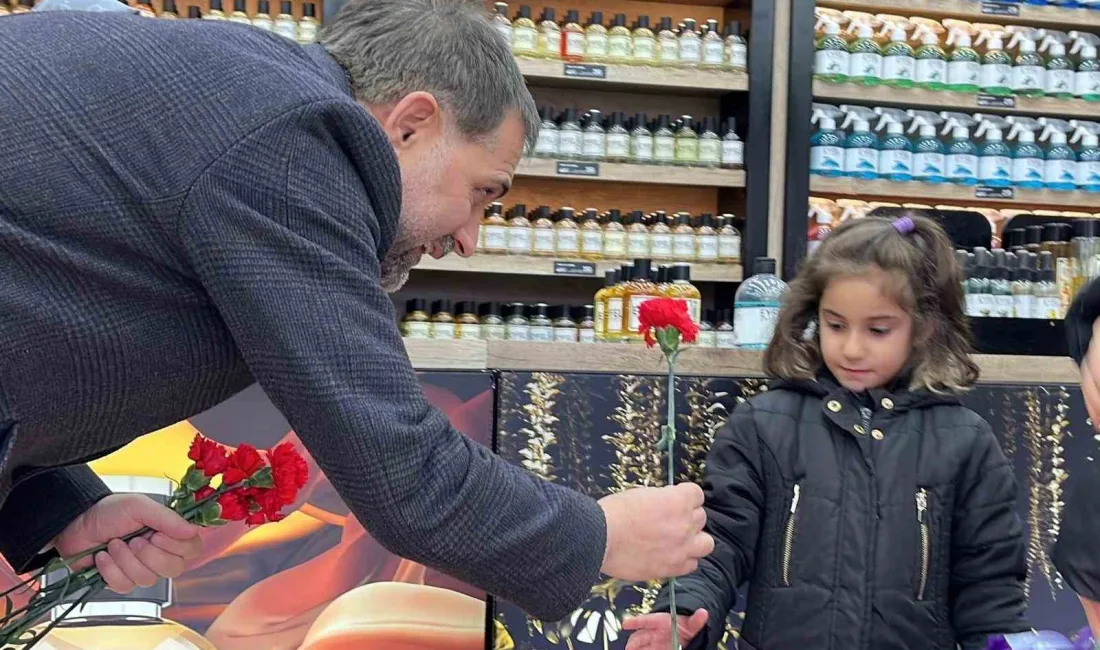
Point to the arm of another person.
(282, 234)
(989, 562)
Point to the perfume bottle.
(145, 9)
(610, 279)
(443, 321)
(638, 291)
(737, 50)
(549, 45)
(714, 47)
(595, 39)
(683, 238)
(262, 19)
(706, 240)
(691, 46)
(591, 236)
(547, 144)
(614, 236)
(645, 43)
(668, 51)
(492, 323)
(660, 238)
(570, 137)
(308, 25)
(723, 330)
(664, 142)
(620, 42)
(687, 143)
(216, 12)
(641, 140)
(637, 236)
(519, 231)
(240, 14)
(707, 337)
(572, 40)
(542, 231)
(729, 241)
(567, 239)
(616, 319)
(564, 327)
(733, 149)
(681, 288)
(525, 34)
(169, 12)
(416, 324)
(194, 13)
(617, 139)
(501, 22)
(594, 139)
(710, 145)
(515, 325)
(540, 328)
(585, 317)
(468, 326)
(285, 25)
(496, 230)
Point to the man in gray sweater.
(188, 207)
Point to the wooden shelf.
(986, 12)
(628, 173)
(634, 78)
(946, 100)
(946, 193)
(544, 266)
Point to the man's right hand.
(654, 631)
(655, 533)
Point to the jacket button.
(860, 430)
(833, 406)
(877, 435)
(887, 403)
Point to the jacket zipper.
(925, 541)
(788, 537)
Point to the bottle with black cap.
(1023, 295)
(683, 238)
(1034, 243)
(708, 337)
(516, 327)
(595, 39)
(585, 316)
(664, 141)
(668, 50)
(641, 140)
(591, 235)
(714, 47)
(443, 321)
(547, 144)
(1048, 302)
(525, 34)
(494, 230)
(733, 148)
(645, 43)
(169, 12)
(979, 298)
(729, 240)
(308, 25)
(519, 231)
(467, 323)
(610, 279)
(687, 142)
(756, 305)
(542, 232)
(660, 237)
(416, 324)
(617, 138)
(614, 236)
(1015, 239)
(572, 39)
(710, 145)
(620, 44)
(549, 46)
(737, 50)
(194, 13)
(540, 327)
(565, 328)
(216, 11)
(637, 235)
(492, 323)
(262, 19)
(570, 136)
(240, 13)
(691, 46)
(724, 336)
(285, 25)
(1085, 252)
(681, 288)
(567, 234)
(639, 290)
(594, 138)
(617, 318)
(1000, 286)
(706, 240)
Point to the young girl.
(865, 507)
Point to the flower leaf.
(194, 479)
(263, 478)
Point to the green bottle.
(964, 67)
(995, 77)
(1086, 82)
(1029, 71)
(865, 62)
(687, 143)
(1059, 76)
(898, 62)
(831, 57)
(931, 61)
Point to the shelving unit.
(545, 266)
(976, 10)
(628, 173)
(948, 193)
(631, 78)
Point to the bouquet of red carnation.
(254, 488)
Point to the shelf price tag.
(582, 269)
(990, 8)
(1001, 193)
(565, 168)
(585, 71)
(995, 101)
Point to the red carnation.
(290, 472)
(209, 456)
(243, 463)
(234, 505)
(661, 313)
(270, 503)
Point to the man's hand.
(654, 631)
(655, 533)
(143, 560)
(1090, 376)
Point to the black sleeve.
(39, 508)
(734, 504)
(988, 551)
(1079, 319)
(1076, 554)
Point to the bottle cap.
(416, 304)
(566, 213)
(620, 20)
(525, 11)
(239, 5)
(466, 307)
(568, 115)
(610, 278)
(309, 10)
(681, 272)
(549, 14)
(1046, 266)
(663, 122)
(626, 272)
(440, 306)
(689, 24)
(663, 274)
(596, 19)
(519, 210)
(590, 214)
(538, 310)
(1065, 232)
(1034, 235)
(572, 16)
(1000, 268)
(194, 12)
(215, 5)
(1086, 228)
(642, 269)
(643, 22)
(516, 309)
(706, 219)
(763, 265)
(561, 311)
(1015, 238)
(636, 217)
(488, 309)
(709, 316)
(666, 24)
(733, 28)
(264, 7)
(169, 7)
(1052, 232)
(962, 258)
(618, 118)
(731, 126)
(587, 312)
(286, 7)
(501, 8)
(614, 215)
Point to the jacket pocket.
(788, 536)
(925, 542)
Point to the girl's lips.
(851, 371)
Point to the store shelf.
(947, 193)
(628, 173)
(995, 12)
(640, 79)
(545, 266)
(945, 100)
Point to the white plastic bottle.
(756, 306)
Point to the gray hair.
(448, 48)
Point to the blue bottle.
(928, 151)
(994, 157)
(827, 144)
(962, 154)
(1088, 160)
(861, 147)
(1027, 158)
(895, 157)
(1060, 167)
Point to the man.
(187, 207)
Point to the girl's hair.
(926, 283)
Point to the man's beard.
(396, 267)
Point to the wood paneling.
(606, 195)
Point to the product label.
(494, 332)
(569, 143)
(641, 147)
(595, 44)
(586, 335)
(690, 50)
(1059, 82)
(831, 62)
(683, 246)
(754, 323)
(708, 339)
(540, 333)
(565, 335)
(614, 244)
(1088, 173)
(1023, 306)
(973, 305)
(417, 330)
(670, 50)
(618, 46)
(1058, 172)
(994, 168)
(962, 166)
(496, 238)
(601, 314)
(861, 160)
(505, 31)
(898, 67)
(1086, 83)
(645, 49)
(574, 44)
(729, 247)
(866, 64)
(577, 169)
(635, 309)
(307, 32)
(519, 240)
(985, 304)
(443, 330)
(710, 151)
(664, 148)
(1028, 77)
(725, 339)
(267, 25)
(1027, 170)
(714, 52)
(614, 315)
(995, 75)
(637, 244)
(826, 158)
(287, 28)
(618, 145)
(708, 247)
(1002, 306)
(1048, 307)
(547, 144)
(695, 309)
(739, 56)
(687, 149)
(931, 71)
(926, 165)
(592, 241)
(469, 331)
(524, 39)
(594, 145)
(963, 73)
(544, 240)
(661, 245)
(567, 241)
(733, 152)
(553, 41)
(895, 161)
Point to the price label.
(986, 192)
(585, 71)
(565, 168)
(582, 269)
(1000, 9)
(996, 101)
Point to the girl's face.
(866, 337)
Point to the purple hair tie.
(904, 225)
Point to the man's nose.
(466, 239)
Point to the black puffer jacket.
(878, 521)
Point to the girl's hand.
(654, 631)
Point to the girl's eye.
(879, 331)
(836, 327)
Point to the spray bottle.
(861, 147)
(831, 57)
(898, 60)
(1060, 168)
(1027, 159)
(995, 77)
(928, 151)
(895, 158)
(1088, 161)
(962, 155)
(865, 62)
(994, 157)
(827, 143)
(931, 69)
(1060, 74)
(1086, 81)
(964, 65)
(1029, 73)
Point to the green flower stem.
(670, 429)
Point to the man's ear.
(414, 119)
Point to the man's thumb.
(163, 519)
(697, 621)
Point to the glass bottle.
(707, 337)
(262, 19)
(614, 236)
(443, 321)
(710, 145)
(979, 301)
(756, 306)
(145, 9)
(542, 233)
(570, 137)
(729, 241)
(687, 143)
(501, 22)
(1048, 302)
(240, 13)
(641, 141)
(610, 279)
(723, 331)
(549, 43)
(645, 43)
(586, 324)
(467, 324)
(660, 238)
(591, 236)
(733, 148)
(216, 11)
(594, 140)
(737, 50)
(416, 324)
(668, 51)
(547, 144)
(683, 238)
(1000, 286)
(1034, 240)
(285, 25)
(308, 25)
(492, 323)
(664, 142)
(595, 39)
(615, 315)
(1085, 252)
(714, 48)
(25, 6)
(706, 240)
(169, 11)
(637, 236)
(639, 290)
(1023, 297)
(618, 139)
(515, 325)
(496, 230)
(620, 44)
(681, 288)
(691, 46)
(525, 34)
(565, 328)
(540, 327)
(572, 37)
(519, 231)
(194, 13)
(567, 236)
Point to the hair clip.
(904, 225)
